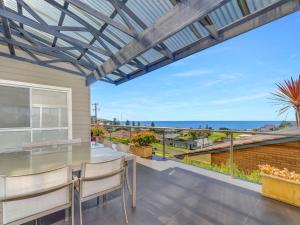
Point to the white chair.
(125, 148)
(100, 178)
(29, 197)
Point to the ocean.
(233, 125)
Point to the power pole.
(95, 106)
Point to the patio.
(48, 63)
(176, 197)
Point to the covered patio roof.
(118, 40)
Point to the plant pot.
(280, 189)
(143, 151)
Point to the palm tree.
(288, 96)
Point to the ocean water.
(233, 125)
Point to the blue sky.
(230, 81)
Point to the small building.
(249, 152)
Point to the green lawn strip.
(160, 147)
(217, 136)
(119, 140)
(159, 152)
(253, 176)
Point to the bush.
(253, 176)
(144, 138)
(285, 173)
(98, 131)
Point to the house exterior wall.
(283, 155)
(15, 70)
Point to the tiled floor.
(179, 197)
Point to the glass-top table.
(38, 159)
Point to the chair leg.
(123, 204)
(127, 180)
(72, 206)
(80, 212)
(98, 200)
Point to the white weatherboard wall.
(19, 71)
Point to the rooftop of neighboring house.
(246, 141)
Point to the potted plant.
(140, 143)
(98, 132)
(281, 185)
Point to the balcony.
(177, 196)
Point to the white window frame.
(41, 87)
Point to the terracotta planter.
(284, 190)
(143, 151)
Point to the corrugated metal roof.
(147, 11)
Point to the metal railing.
(202, 133)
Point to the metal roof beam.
(6, 31)
(103, 36)
(48, 29)
(210, 27)
(89, 28)
(90, 10)
(20, 11)
(61, 21)
(183, 14)
(131, 14)
(252, 21)
(45, 50)
(117, 6)
(191, 27)
(244, 7)
(31, 11)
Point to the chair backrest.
(28, 195)
(101, 177)
(122, 147)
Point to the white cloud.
(240, 99)
(193, 73)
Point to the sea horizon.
(214, 124)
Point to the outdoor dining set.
(39, 181)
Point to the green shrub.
(253, 176)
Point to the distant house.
(267, 128)
(249, 152)
(175, 141)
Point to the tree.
(226, 131)
(127, 123)
(133, 123)
(287, 96)
(152, 124)
(193, 134)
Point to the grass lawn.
(217, 136)
(160, 152)
(253, 176)
(160, 147)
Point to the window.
(32, 113)
(15, 107)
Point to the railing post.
(231, 156)
(130, 132)
(164, 145)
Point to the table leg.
(133, 203)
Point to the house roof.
(117, 40)
(248, 142)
